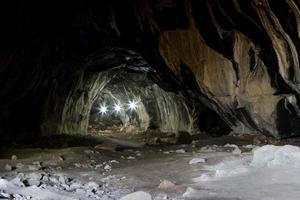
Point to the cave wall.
(242, 55)
(156, 108)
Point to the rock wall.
(240, 58)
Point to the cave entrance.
(118, 94)
(133, 106)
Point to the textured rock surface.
(239, 58)
(157, 108)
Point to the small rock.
(107, 167)
(78, 165)
(34, 167)
(130, 158)
(236, 151)
(14, 157)
(61, 158)
(62, 179)
(140, 195)
(80, 191)
(166, 184)
(17, 181)
(8, 167)
(139, 154)
(3, 183)
(54, 180)
(114, 161)
(45, 178)
(197, 160)
(33, 182)
(166, 152)
(57, 157)
(34, 176)
(19, 166)
(89, 151)
(75, 186)
(5, 195)
(180, 151)
(91, 185)
(249, 146)
(17, 196)
(37, 163)
(98, 166)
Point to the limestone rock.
(166, 184)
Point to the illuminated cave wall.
(156, 108)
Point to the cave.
(150, 100)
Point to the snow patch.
(273, 156)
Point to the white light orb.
(132, 105)
(117, 107)
(103, 109)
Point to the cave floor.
(201, 170)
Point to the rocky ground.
(157, 172)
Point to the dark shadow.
(288, 122)
(211, 123)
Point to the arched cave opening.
(133, 106)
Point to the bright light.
(103, 109)
(117, 107)
(132, 105)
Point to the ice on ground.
(140, 195)
(272, 156)
(270, 172)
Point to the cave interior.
(122, 88)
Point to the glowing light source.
(103, 109)
(117, 107)
(132, 105)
